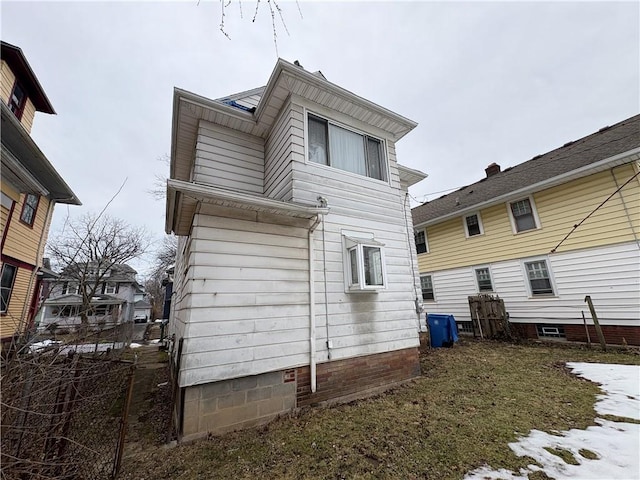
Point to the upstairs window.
(345, 149)
(539, 278)
(473, 225)
(483, 277)
(426, 284)
(365, 264)
(29, 208)
(6, 285)
(110, 288)
(70, 288)
(523, 215)
(17, 100)
(421, 241)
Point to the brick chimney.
(492, 169)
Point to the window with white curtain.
(338, 147)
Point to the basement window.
(550, 331)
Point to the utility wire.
(553, 250)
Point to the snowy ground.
(609, 450)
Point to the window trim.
(433, 289)
(466, 227)
(384, 150)
(552, 282)
(25, 204)
(475, 275)
(426, 240)
(9, 289)
(356, 242)
(106, 288)
(534, 211)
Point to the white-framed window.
(339, 147)
(70, 288)
(422, 244)
(426, 284)
(110, 288)
(539, 277)
(483, 279)
(550, 331)
(523, 215)
(8, 278)
(473, 225)
(364, 263)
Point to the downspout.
(312, 308)
(624, 206)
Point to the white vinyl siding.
(229, 159)
(611, 275)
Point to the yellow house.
(30, 188)
(512, 234)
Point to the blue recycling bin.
(443, 330)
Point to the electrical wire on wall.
(575, 227)
(413, 265)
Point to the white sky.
(616, 444)
(486, 81)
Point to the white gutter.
(595, 167)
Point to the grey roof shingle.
(605, 143)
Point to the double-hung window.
(426, 284)
(539, 278)
(421, 241)
(9, 273)
(365, 268)
(29, 208)
(523, 214)
(473, 225)
(345, 149)
(110, 288)
(483, 277)
(70, 288)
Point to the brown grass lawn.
(469, 403)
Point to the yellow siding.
(559, 208)
(22, 241)
(10, 191)
(20, 296)
(8, 79)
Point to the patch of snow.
(37, 346)
(157, 340)
(134, 345)
(616, 444)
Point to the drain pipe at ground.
(312, 309)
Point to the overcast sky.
(486, 81)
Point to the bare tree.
(89, 247)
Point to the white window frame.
(534, 211)
(433, 288)
(525, 274)
(475, 276)
(110, 291)
(383, 147)
(70, 288)
(356, 242)
(8, 288)
(426, 240)
(466, 227)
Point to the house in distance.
(296, 281)
(505, 235)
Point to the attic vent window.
(17, 100)
(345, 149)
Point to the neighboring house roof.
(22, 70)
(118, 273)
(142, 304)
(596, 152)
(73, 299)
(24, 164)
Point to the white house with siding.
(296, 279)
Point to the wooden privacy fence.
(488, 316)
(64, 416)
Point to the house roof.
(24, 73)
(25, 166)
(142, 304)
(73, 299)
(609, 146)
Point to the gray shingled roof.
(605, 143)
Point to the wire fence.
(64, 415)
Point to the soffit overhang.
(18, 148)
(286, 79)
(410, 176)
(591, 169)
(184, 197)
